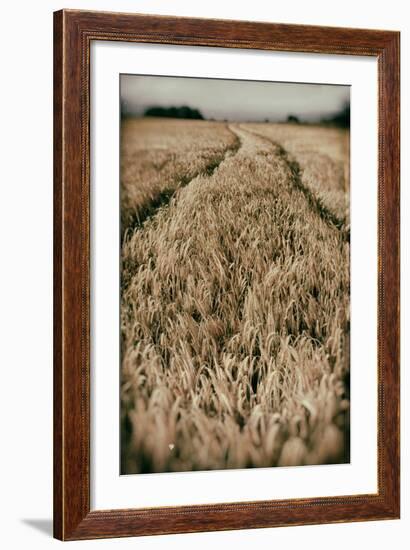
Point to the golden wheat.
(234, 306)
(158, 155)
(323, 156)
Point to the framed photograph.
(226, 275)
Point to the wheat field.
(235, 295)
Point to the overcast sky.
(232, 99)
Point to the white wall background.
(26, 269)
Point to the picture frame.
(74, 32)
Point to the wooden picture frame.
(73, 33)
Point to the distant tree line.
(174, 112)
(293, 119)
(341, 118)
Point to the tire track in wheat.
(315, 203)
(163, 198)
